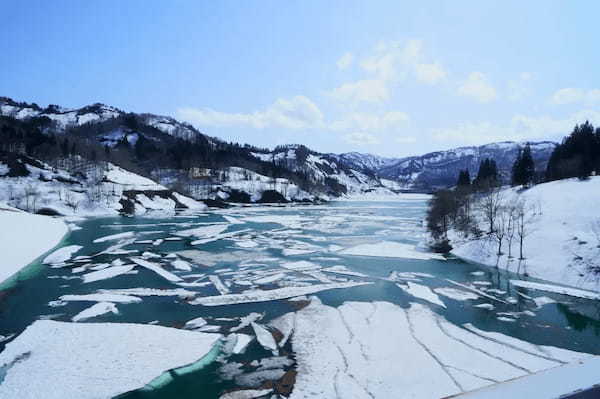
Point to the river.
(291, 246)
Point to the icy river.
(335, 300)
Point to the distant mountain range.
(167, 150)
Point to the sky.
(392, 78)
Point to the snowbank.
(562, 243)
(24, 237)
(97, 360)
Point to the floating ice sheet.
(124, 357)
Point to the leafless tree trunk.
(490, 204)
(526, 215)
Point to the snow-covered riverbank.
(563, 244)
(24, 237)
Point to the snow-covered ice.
(264, 337)
(97, 360)
(96, 310)
(106, 273)
(423, 292)
(556, 289)
(270, 295)
(29, 237)
(336, 346)
(390, 249)
(62, 254)
(101, 297)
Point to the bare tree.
(511, 211)
(526, 215)
(71, 200)
(489, 205)
(500, 230)
(31, 197)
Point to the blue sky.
(387, 77)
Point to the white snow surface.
(97, 309)
(561, 233)
(553, 383)
(97, 360)
(28, 237)
(412, 350)
(270, 295)
(390, 249)
(62, 254)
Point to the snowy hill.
(564, 243)
(441, 168)
(161, 145)
(362, 161)
(64, 118)
(95, 189)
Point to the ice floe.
(557, 289)
(113, 237)
(97, 309)
(124, 357)
(246, 394)
(195, 323)
(390, 249)
(423, 292)
(62, 254)
(101, 297)
(270, 295)
(264, 337)
(334, 347)
(156, 268)
(454, 293)
(181, 265)
(106, 273)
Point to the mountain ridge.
(152, 143)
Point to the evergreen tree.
(487, 175)
(464, 179)
(528, 166)
(577, 156)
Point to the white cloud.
(571, 95)
(298, 112)
(389, 63)
(477, 87)
(368, 90)
(429, 73)
(367, 121)
(361, 138)
(519, 128)
(345, 61)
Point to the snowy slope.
(563, 243)
(366, 161)
(441, 168)
(24, 237)
(96, 189)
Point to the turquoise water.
(569, 323)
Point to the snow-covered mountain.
(363, 161)
(176, 153)
(441, 168)
(63, 118)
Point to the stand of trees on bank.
(127, 141)
(480, 209)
